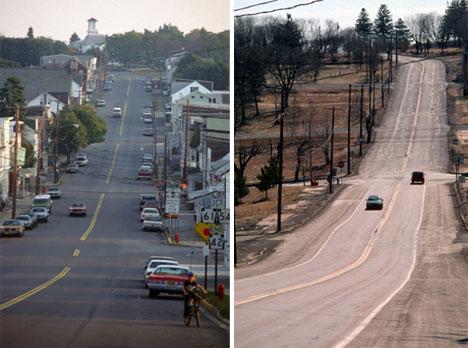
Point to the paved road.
(97, 299)
(329, 279)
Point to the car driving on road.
(54, 192)
(167, 279)
(374, 202)
(417, 178)
(100, 102)
(12, 227)
(81, 159)
(152, 223)
(42, 201)
(146, 197)
(147, 212)
(77, 209)
(117, 112)
(72, 169)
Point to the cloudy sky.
(346, 11)
(58, 19)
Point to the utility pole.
(349, 132)
(15, 165)
(360, 120)
(381, 80)
(373, 97)
(185, 176)
(280, 166)
(57, 124)
(396, 51)
(369, 135)
(40, 145)
(165, 165)
(310, 152)
(330, 187)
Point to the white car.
(41, 213)
(149, 212)
(153, 264)
(81, 159)
(152, 223)
(100, 102)
(117, 112)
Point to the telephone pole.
(360, 120)
(280, 168)
(349, 131)
(57, 124)
(15, 165)
(185, 175)
(330, 187)
(39, 151)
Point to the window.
(214, 100)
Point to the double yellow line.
(94, 219)
(35, 290)
(125, 108)
(111, 169)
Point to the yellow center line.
(95, 216)
(76, 252)
(111, 169)
(35, 290)
(125, 108)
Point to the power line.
(254, 5)
(278, 9)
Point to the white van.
(117, 112)
(44, 201)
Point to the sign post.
(206, 252)
(216, 243)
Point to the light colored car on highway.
(146, 197)
(100, 102)
(41, 213)
(154, 263)
(42, 201)
(54, 192)
(77, 209)
(147, 212)
(117, 112)
(145, 173)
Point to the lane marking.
(111, 169)
(76, 252)
(377, 309)
(125, 108)
(415, 121)
(124, 112)
(35, 290)
(365, 254)
(95, 216)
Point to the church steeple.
(92, 26)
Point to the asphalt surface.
(389, 278)
(78, 281)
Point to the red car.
(77, 209)
(167, 279)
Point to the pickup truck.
(12, 227)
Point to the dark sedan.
(374, 202)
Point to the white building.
(92, 40)
(5, 151)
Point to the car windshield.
(23, 217)
(373, 198)
(53, 189)
(39, 210)
(171, 271)
(40, 201)
(10, 222)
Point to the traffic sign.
(172, 199)
(217, 242)
(218, 216)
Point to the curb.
(213, 314)
(459, 202)
(180, 244)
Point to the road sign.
(217, 242)
(341, 164)
(218, 216)
(172, 199)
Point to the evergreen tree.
(30, 34)
(403, 34)
(12, 94)
(383, 28)
(363, 25)
(74, 37)
(268, 176)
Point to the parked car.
(167, 279)
(33, 217)
(150, 204)
(12, 227)
(77, 209)
(54, 192)
(27, 221)
(151, 266)
(147, 120)
(145, 173)
(374, 202)
(148, 132)
(417, 178)
(72, 169)
(152, 223)
(108, 85)
(100, 102)
(151, 258)
(117, 112)
(148, 156)
(41, 213)
(81, 159)
(145, 198)
(147, 212)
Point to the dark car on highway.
(417, 178)
(374, 202)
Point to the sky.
(58, 19)
(346, 11)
